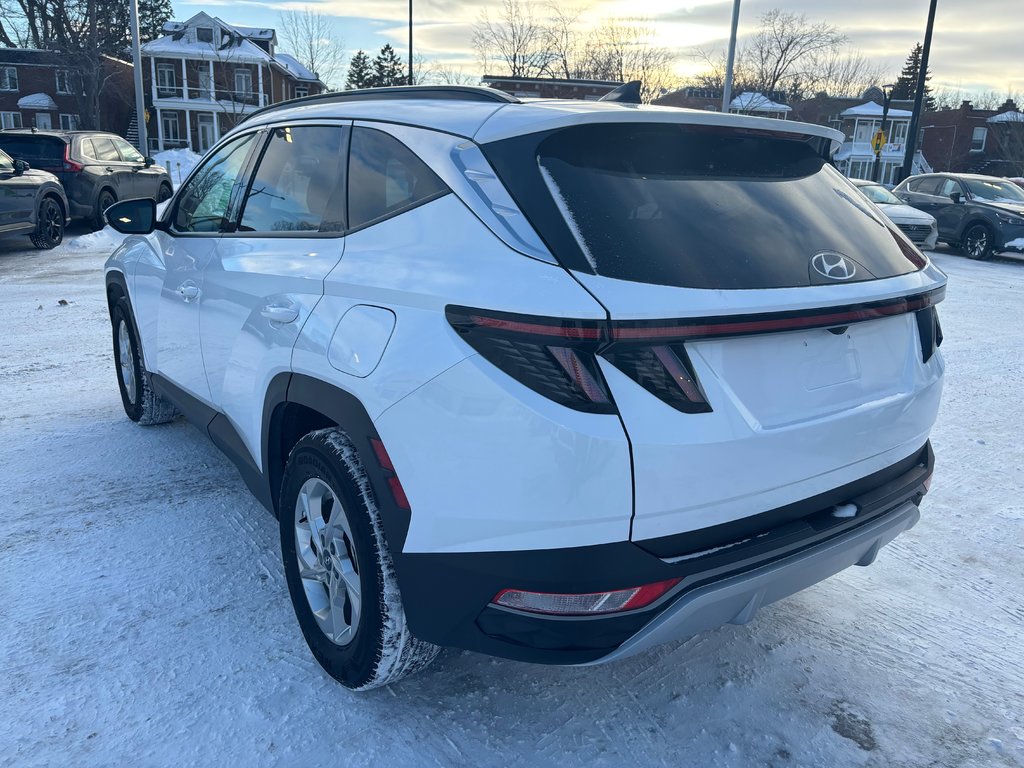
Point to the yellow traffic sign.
(878, 142)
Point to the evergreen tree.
(388, 68)
(153, 14)
(360, 73)
(906, 83)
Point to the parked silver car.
(919, 226)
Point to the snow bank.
(106, 240)
(1018, 243)
(178, 162)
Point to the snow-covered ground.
(145, 619)
(178, 162)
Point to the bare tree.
(517, 41)
(785, 45)
(619, 50)
(837, 73)
(311, 38)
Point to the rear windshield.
(37, 151)
(693, 206)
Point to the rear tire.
(141, 404)
(49, 225)
(106, 199)
(339, 570)
(977, 242)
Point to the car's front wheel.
(50, 225)
(141, 404)
(164, 193)
(338, 567)
(977, 242)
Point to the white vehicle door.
(169, 289)
(269, 269)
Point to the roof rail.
(446, 92)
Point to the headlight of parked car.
(1009, 218)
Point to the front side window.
(6, 164)
(206, 197)
(8, 79)
(978, 139)
(949, 186)
(693, 206)
(299, 185)
(386, 178)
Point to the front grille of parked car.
(916, 232)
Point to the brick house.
(551, 87)
(970, 140)
(203, 76)
(38, 89)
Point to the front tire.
(141, 404)
(50, 225)
(977, 242)
(339, 570)
(164, 193)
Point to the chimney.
(965, 106)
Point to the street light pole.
(886, 101)
(410, 43)
(915, 120)
(731, 59)
(140, 107)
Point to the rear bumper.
(448, 596)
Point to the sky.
(977, 46)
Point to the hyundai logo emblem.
(833, 265)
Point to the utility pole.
(410, 43)
(886, 101)
(727, 91)
(915, 120)
(140, 107)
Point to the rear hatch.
(44, 153)
(771, 336)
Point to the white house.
(856, 158)
(204, 75)
(750, 103)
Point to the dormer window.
(204, 34)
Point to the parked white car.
(919, 226)
(553, 380)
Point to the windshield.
(693, 206)
(994, 191)
(876, 193)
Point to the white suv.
(550, 380)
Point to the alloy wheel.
(976, 242)
(327, 561)
(126, 361)
(53, 223)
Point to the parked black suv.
(31, 203)
(97, 169)
(980, 214)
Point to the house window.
(899, 132)
(204, 34)
(978, 139)
(865, 131)
(301, 90)
(243, 84)
(8, 79)
(63, 81)
(165, 80)
(169, 122)
(10, 119)
(69, 122)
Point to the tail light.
(394, 484)
(586, 603)
(69, 164)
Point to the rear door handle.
(279, 313)
(110, 170)
(189, 291)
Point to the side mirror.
(132, 217)
(956, 197)
(20, 166)
(148, 161)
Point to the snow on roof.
(749, 101)
(1007, 117)
(874, 109)
(254, 33)
(168, 46)
(37, 101)
(295, 67)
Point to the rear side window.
(693, 206)
(38, 151)
(926, 186)
(299, 185)
(87, 149)
(105, 149)
(386, 178)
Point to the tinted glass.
(128, 152)
(876, 193)
(697, 207)
(927, 186)
(105, 149)
(87, 149)
(37, 151)
(299, 185)
(385, 178)
(204, 201)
